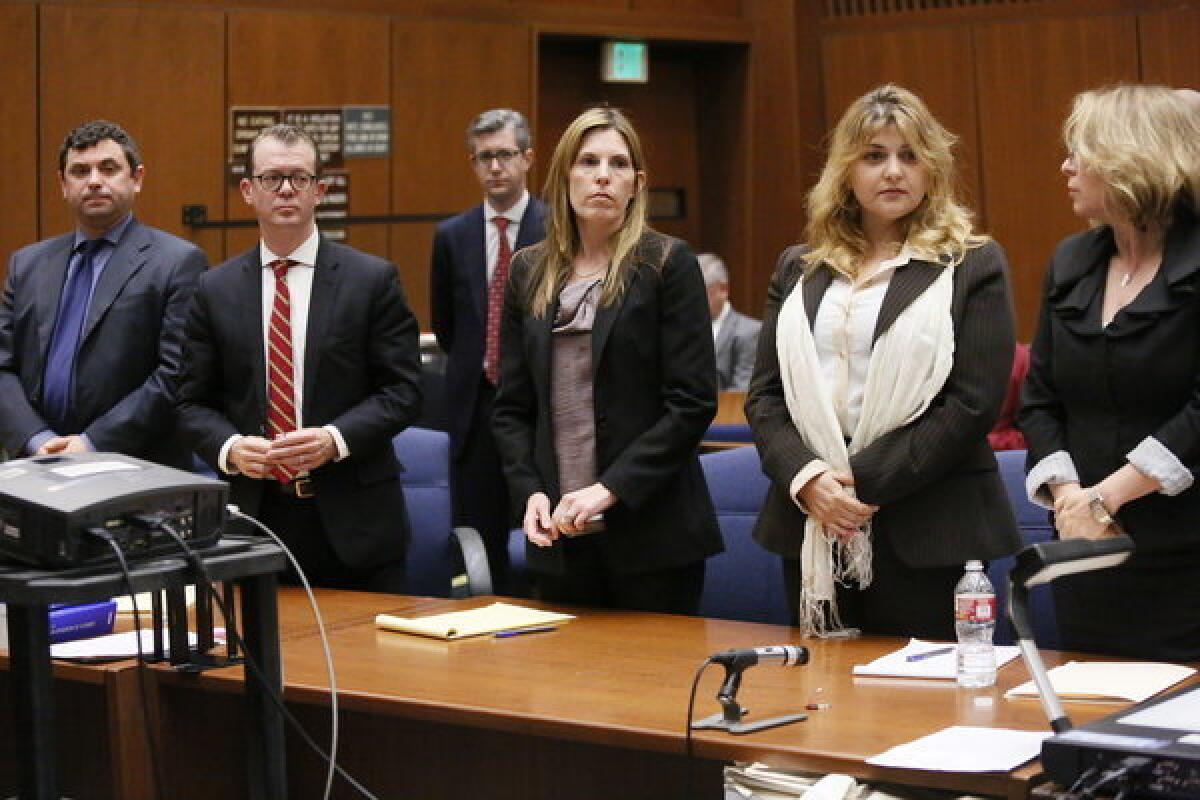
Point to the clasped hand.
(829, 498)
(542, 527)
(1073, 515)
(299, 451)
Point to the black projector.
(48, 505)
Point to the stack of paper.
(943, 664)
(475, 622)
(1108, 681)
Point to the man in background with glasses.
(471, 254)
(90, 320)
(301, 364)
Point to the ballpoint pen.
(941, 651)
(522, 631)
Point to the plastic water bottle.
(975, 624)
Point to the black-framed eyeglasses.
(273, 181)
(485, 158)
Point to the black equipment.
(49, 503)
(1154, 761)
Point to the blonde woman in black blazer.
(1111, 406)
(636, 532)
(921, 495)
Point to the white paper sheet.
(1108, 681)
(962, 748)
(897, 665)
(117, 645)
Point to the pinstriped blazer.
(935, 480)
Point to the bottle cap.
(974, 564)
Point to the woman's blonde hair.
(938, 229)
(562, 241)
(1143, 142)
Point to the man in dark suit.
(735, 336)
(89, 322)
(471, 253)
(301, 364)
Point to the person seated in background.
(1004, 434)
(885, 351)
(607, 384)
(735, 336)
(1111, 405)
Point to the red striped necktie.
(281, 388)
(495, 298)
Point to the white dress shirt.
(720, 320)
(299, 282)
(491, 234)
(844, 337)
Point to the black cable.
(687, 731)
(148, 731)
(202, 572)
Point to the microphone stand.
(730, 718)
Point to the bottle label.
(975, 608)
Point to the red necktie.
(491, 351)
(281, 391)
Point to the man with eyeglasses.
(90, 320)
(301, 364)
(471, 254)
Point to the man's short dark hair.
(498, 119)
(90, 134)
(289, 135)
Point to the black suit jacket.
(940, 495)
(361, 372)
(1097, 392)
(458, 286)
(128, 358)
(654, 385)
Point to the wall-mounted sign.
(325, 126)
(336, 205)
(349, 131)
(625, 62)
(366, 131)
(244, 125)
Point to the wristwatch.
(1097, 507)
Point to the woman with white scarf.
(882, 364)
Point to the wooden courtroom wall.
(1002, 76)
(169, 71)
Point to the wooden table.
(593, 710)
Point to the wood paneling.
(1169, 47)
(934, 62)
(775, 144)
(712, 8)
(445, 73)
(1027, 73)
(19, 160)
(282, 58)
(158, 72)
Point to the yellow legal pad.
(475, 622)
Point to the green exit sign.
(626, 62)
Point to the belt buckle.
(303, 488)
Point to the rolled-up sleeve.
(1058, 467)
(1152, 458)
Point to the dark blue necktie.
(60, 361)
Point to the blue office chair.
(443, 561)
(745, 582)
(1034, 524)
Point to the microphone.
(787, 655)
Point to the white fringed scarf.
(909, 365)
